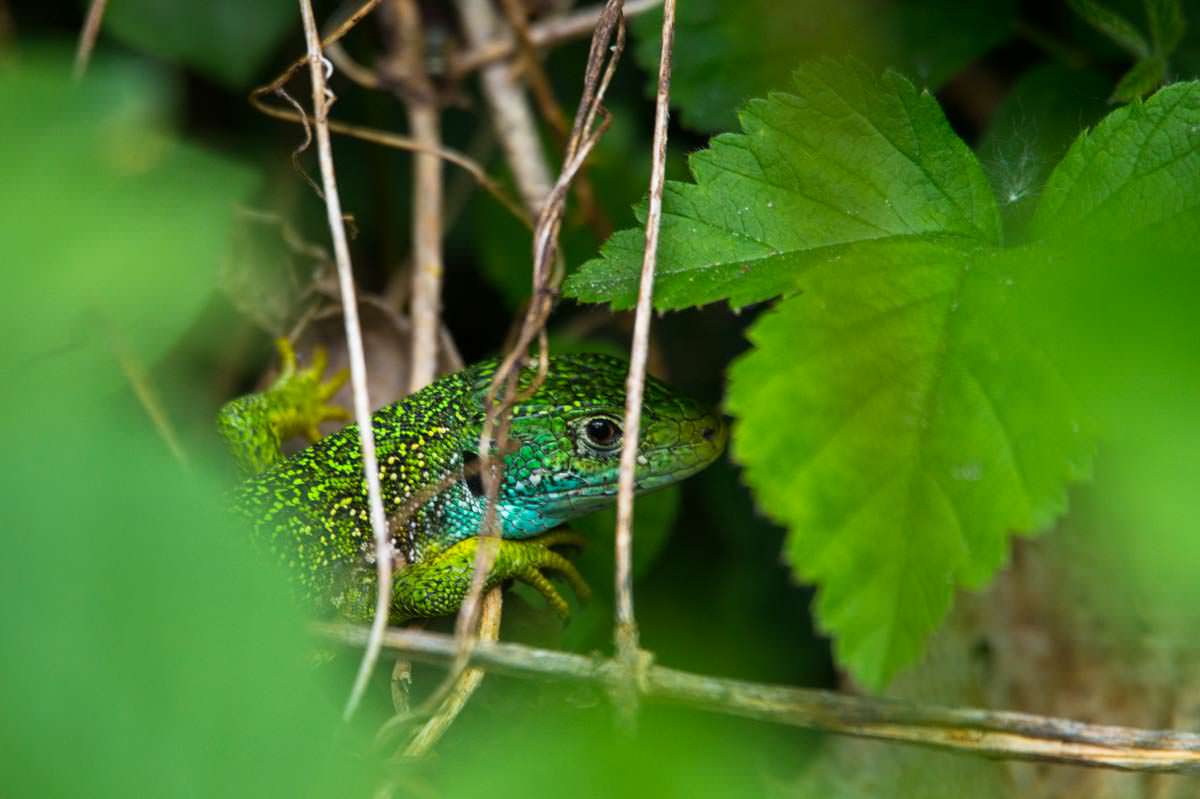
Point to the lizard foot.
(302, 395)
(438, 585)
(539, 558)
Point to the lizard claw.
(304, 394)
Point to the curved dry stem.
(397, 142)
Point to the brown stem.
(608, 42)
(544, 34)
(88, 35)
(512, 117)
(407, 75)
(993, 733)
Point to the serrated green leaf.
(1137, 172)
(1113, 25)
(1167, 25)
(1142, 78)
(895, 417)
(850, 157)
(228, 40)
(726, 52)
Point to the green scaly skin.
(310, 509)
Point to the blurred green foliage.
(969, 291)
(227, 40)
(147, 651)
(727, 53)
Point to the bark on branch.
(991, 733)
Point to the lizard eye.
(602, 433)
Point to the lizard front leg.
(255, 426)
(438, 585)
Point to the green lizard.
(310, 508)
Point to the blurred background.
(160, 233)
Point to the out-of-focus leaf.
(1032, 129)
(144, 641)
(1137, 172)
(1113, 25)
(228, 40)
(1142, 78)
(849, 157)
(898, 420)
(147, 649)
(726, 53)
(1120, 320)
(122, 225)
(1167, 25)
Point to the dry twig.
(88, 35)
(544, 34)
(625, 632)
(354, 347)
(997, 734)
(512, 117)
(373, 135)
(608, 42)
(413, 87)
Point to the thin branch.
(354, 348)
(406, 72)
(397, 142)
(625, 631)
(998, 734)
(88, 36)
(517, 131)
(512, 116)
(608, 42)
(543, 92)
(544, 34)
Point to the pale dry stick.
(88, 35)
(625, 632)
(531, 69)
(544, 34)
(512, 116)
(991, 733)
(503, 391)
(452, 705)
(339, 31)
(414, 88)
(517, 131)
(358, 367)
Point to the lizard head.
(566, 441)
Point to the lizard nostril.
(709, 433)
